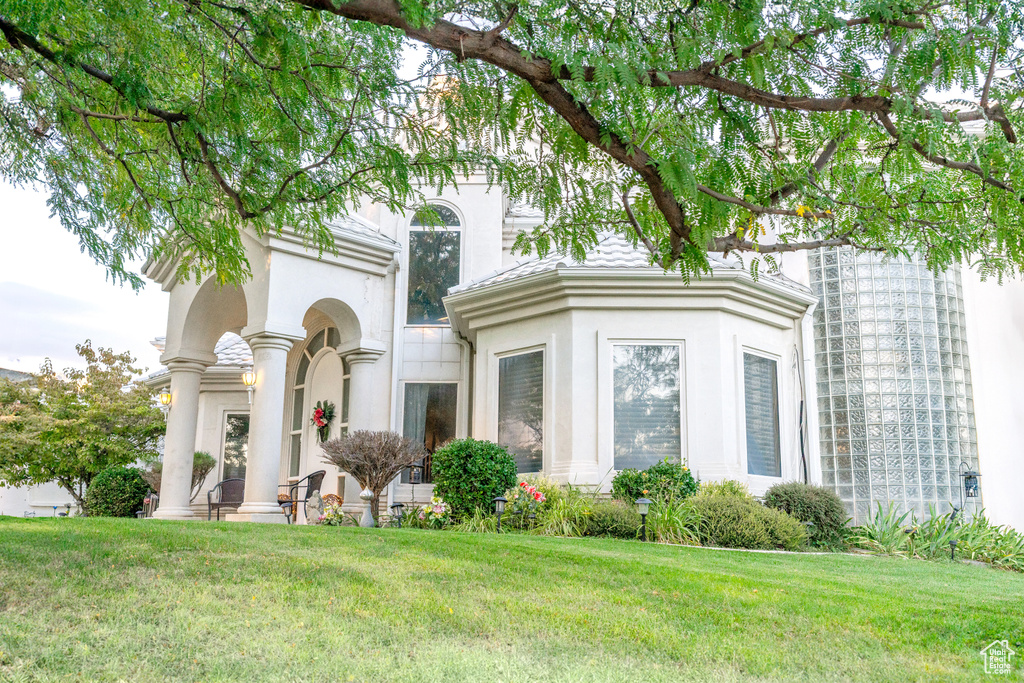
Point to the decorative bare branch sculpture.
(373, 458)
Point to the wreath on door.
(323, 416)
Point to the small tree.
(202, 464)
(71, 426)
(469, 474)
(373, 458)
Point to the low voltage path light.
(396, 512)
(499, 508)
(952, 549)
(249, 380)
(643, 505)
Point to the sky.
(53, 296)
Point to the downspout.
(467, 378)
(808, 394)
(396, 339)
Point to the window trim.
(742, 425)
(407, 254)
(547, 398)
(678, 343)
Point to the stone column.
(180, 440)
(360, 407)
(266, 419)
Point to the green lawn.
(152, 601)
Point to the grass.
(147, 600)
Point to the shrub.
(613, 518)
(815, 504)
(733, 522)
(116, 492)
(727, 488)
(470, 474)
(663, 481)
(374, 459)
(674, 521)
(568, 515)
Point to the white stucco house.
(440, 332)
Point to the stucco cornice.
(366, 253)
(733, 291)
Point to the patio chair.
(230, 494)
(299, 492)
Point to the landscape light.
(643, 505)
(396, 513)
(499, 508)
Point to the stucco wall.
(995, 341)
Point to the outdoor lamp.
(396, 512)
(952, 549)
(165, 401)
(416, 475)
(643, 505)
(970, 483)
(249, 380)
(499, 508)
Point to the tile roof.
(611, 251)
(231, 350)
(359, 227)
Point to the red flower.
(523, 484)
(537, 495)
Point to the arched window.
(435, 252)
(329, 338)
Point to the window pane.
(433, 269)
(436, 215)
(296, 454)
(333, 337)
(429, 418)
(316, 343)
(521, 409)
(761, 397)
(297, 411)
(300, 374)
(236, 446)
(646, 380)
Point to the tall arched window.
(329, 338)
(435, 252)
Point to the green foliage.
(567, 514)
(71, 426)
(470, 474)
(613, 518)
(480, 522)
(892, 533)
(116, 492)
(727, 487)
(815, 504)
(733, 522)
(887, 125)
(663, 481)
(674, 521)
(202, 464)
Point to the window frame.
(546, 397)
(302, 433)
(407, 255)
(777, 359)
(679, 344)
(401, 414)
(225, 415)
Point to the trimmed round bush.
(116, 492)
(815, 504)
(664, 481)
(613, 518)
(733, 522)
(470, 474)
(727, 487)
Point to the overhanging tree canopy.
(165, 126)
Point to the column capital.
(195, 361)
(264, 340)
(362, 350)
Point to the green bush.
(815, 504)
(727, 487)
(470, 474)
(663, 481)
(732, 522)
(613, 518)
(567, 515)
(116, 492)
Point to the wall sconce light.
(249, 380)
(165, 401)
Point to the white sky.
(53, 296)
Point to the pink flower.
(439, 509)
(537, 495)
(422, 516)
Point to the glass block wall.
(894, 382)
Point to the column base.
(258, 517)
(174, 513)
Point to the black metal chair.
(299, 492)
(230, 494)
